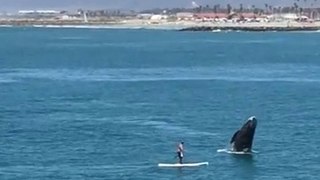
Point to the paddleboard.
(183, 165)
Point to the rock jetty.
(248, 28)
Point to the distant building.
(210, 16)
(144, 16)
(184, 16)
(289, 16)
(38, 12)
(70, 17)
(158, 17)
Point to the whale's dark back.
(243, 138)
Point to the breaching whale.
(241, 140)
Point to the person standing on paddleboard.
(180, 151)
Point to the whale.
(242, 139)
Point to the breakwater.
(254, 28)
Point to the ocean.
(112, 104)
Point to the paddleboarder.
(180, 150)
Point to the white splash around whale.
(229, 151)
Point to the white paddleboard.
(183, 165)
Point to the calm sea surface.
(112, 104)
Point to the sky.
(15, 5)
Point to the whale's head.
(251, 123)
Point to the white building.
(290, 16)
(144, 16)
(184, 16)
(38, 12)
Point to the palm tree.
(215, 8)
(241, 8)
(266, 6)
(218, 8)
(199, 9)
(300, 10)
(229, 8)
(253, 7)
(305, 3)
(295, 5)
(280, 9)
(207, 8)
(270, 8)
(305, 6)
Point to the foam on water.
(233, 152)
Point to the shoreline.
(166, 25)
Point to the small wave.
(162, 124)
(261, 41)
(212, 41)
(116, 167)
(242, 74)
(6, 25)
(73, 38)
(217, 30)
(7, 80)
(305, 32)
(127, 166)
(169, 127)
(96, 45)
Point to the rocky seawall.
(255, 28)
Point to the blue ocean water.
(112, 104)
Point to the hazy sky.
(14, 5)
